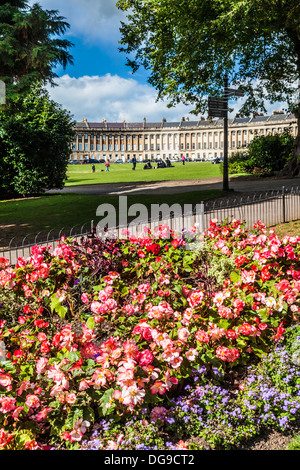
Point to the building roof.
(183, 124)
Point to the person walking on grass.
(107, 164)
(183, 159)
(133, 162)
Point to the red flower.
(18, 353)
(146, 358)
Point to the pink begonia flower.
(248, 277)
(129, 309)
(183, 334)
(176, 362)
(84, 385)
(24, 385)
(158, 387)
(85, 298)
(195, 298)
(146, 357)
(202, 336)
(42, 337)
(32, 401)
(16, 412)
(191, 354)
(57, 376)
(43, 414)
(227, 354)
(71, 398)
(5, 438)
(7, 404)
(98, 308)
(5, 380)
(144, 288)
(111, 304)
(132, 396)
(99, 378)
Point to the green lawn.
(23, 216)
(120, 173)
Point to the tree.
(30, 46)
(35, 144)
(189, 45)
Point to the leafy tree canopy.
(188, 45)
(35, 144)
(30, 44)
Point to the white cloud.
(113, 98)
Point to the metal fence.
(270, 207)
(21, 246)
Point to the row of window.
(182, 135)
(206, 145)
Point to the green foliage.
(30, 46)
(35, 139)
(266, 154)
(269, 153)
(238, 163)
(188, 45)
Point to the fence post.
(283, 204)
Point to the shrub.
(105, 329)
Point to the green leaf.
(90, 323)
(235, 277)
(105, 406)
(57, 307)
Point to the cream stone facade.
(197, 140)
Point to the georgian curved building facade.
(197, 140)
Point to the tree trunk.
(292, 168)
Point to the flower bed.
(108, 332)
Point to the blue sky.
(99, 85)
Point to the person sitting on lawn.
(148, 166)
(161, 164)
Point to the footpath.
(237, 184)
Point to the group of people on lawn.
(147, 166)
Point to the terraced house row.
(197, 140)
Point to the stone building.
(197, 140)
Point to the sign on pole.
(233, 92)
(217, 107)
